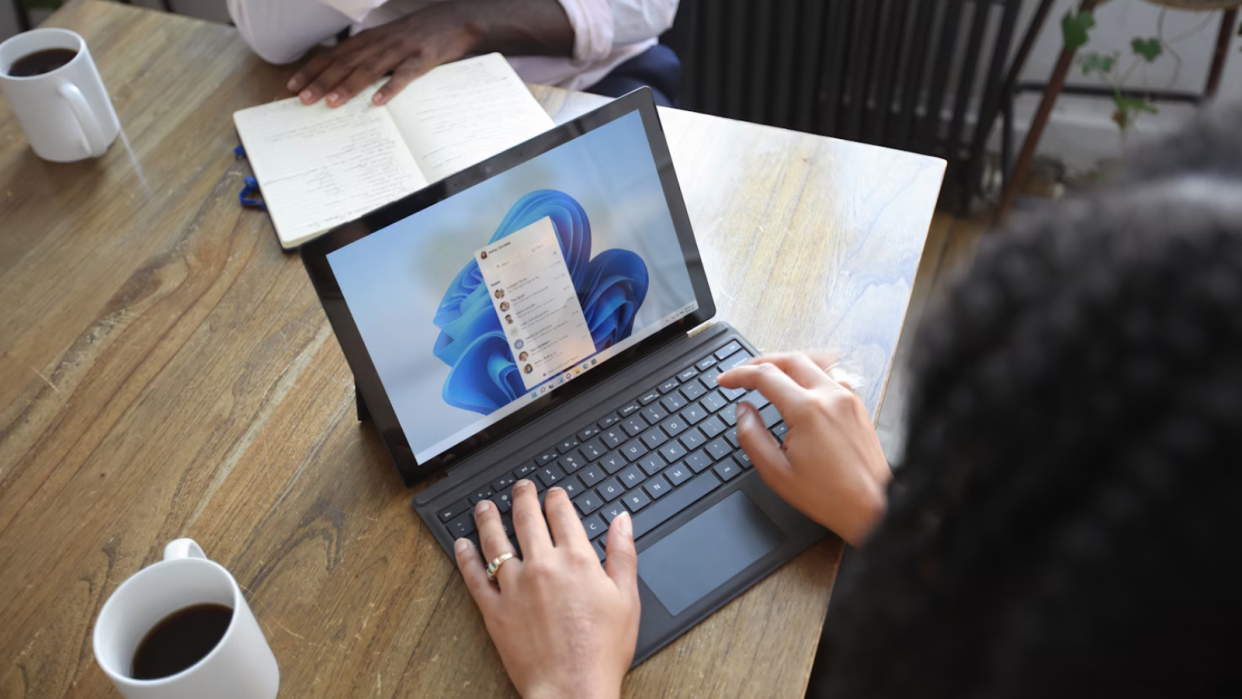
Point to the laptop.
(543, 315)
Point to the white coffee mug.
(241, 666)
(65, 113)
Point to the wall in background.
(1081, 131)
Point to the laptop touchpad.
(707, 551)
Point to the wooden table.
(166, 371)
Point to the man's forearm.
(518, 27)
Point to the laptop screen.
(478, 305)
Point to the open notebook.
(319, 167)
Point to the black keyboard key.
(687, 374)
(539, 486)
(503, 482)
(708, 379)
(650, 396)
(728, 349)
(742, 458)
(546, 457)
(608, 421)
(652, 464)
(573, 486)
(731, 435)
(613, 436)
(705, 363)
(504, 501)
(674, 426)
(657, 487)
(636, 500)
(654, 437)
(593, 449)
(673, 402)
(506, 525)
(592, 474)
(713, 401)
(661, 510)
(594, 526)
(732, 393)
(756, 399)
(632, 476)
(712, 426)
(678, 474)
(551, 475)
(672, 452)
(770, 416)
(629, 409)
(613, 461)
(567, 445)
(588, 502)
(524, 471)
(699, 461)
(633, 426)
(653, 413)
(613, 511)
(481, 494)
(779, 432)
(669, 385)
(692, 391)
(727, 469)
(633, 449)
(588, 433)
(693, 439)
(693, 414)
(453, 510)
(600, 549)
(729, 414)
(610, 490)
(719, 449)
(571, 462)
(463, 525)
(736, 359)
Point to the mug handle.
(183, 548)
(96, 144)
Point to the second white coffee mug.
(66, 112)
(241, 666)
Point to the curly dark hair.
(1068, 518)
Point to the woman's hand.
(564, 625)
(831, 466)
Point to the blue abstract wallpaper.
(611, 288)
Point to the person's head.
(1066, 520)
(523, 356)
(508, 319)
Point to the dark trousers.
(657, 68)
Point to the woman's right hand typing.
(831, 466)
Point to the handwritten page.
(319, 167)
(462, 113)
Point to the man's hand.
(564, 626)
(438, 34)
(831, 466)
(408, 47)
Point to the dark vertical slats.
(892, 26)
(760, 32)
(915, 64)
(812, 56)
(930, 131)
(965, 84)
(784, 76)
(830, 85)
(991, 94)
(713, 27)
(858, 72)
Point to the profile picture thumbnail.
(509, 319)
(483, 255)
(528, 368)
(500, 293)
(504, 306)
(519, 344)
(522, 357)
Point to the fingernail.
(461, 545)
(377, 98)
(746, 413)
(292, 84)
(625, 524)
(523, 484)
(334, 98)
(482, 506)
(306, 94)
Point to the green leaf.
(1148, 48)
(1074, 26)
(1096, 63)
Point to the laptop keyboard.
(655, 455)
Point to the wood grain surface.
(166, 371)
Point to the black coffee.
(41, 62)
(180, 639)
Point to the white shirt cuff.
(593, 29)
